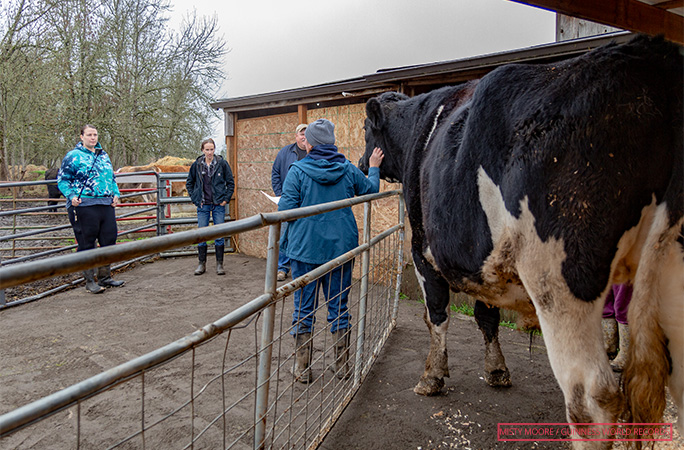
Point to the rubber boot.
(610, 336)
(303, 353)
(219, 259)
(619, 362)
(104, 277)
(91, 285)
(340, 340)
(202, 255)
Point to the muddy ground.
(55, 342)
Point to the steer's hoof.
(429, 386)
(498, 378)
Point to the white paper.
(271, 198)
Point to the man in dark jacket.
(286, 156)
(210, 186)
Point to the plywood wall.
(258, 143)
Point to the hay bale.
(173, 161)
(31, 172)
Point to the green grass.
(467, 310)
(139, 238)
(507, 324)
(463, 308)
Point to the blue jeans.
(283, 260)
(218, 214)
(336, 286)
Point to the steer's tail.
(655, 324)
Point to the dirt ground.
(52, 343)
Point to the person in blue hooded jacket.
(324, 175)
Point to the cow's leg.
(436, 294)
(574, 342)
(496, 372)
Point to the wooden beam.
(228, 124)
(231, 157)
(626, 14)
(301, 114)
(671, 4)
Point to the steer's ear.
(374, 113)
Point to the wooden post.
(229, 125)
(301, 114)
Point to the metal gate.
(276, 411)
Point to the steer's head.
(380, 132)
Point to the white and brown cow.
(177, 187)
(536, 189)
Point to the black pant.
(90, 223)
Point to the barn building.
(257, 126)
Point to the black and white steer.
(538, 187)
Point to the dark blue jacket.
(318, 239)
(286, 156)
(222, 182)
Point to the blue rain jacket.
(323, 176)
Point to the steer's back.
(569, 153)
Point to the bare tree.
(113, 63)
(20, 75)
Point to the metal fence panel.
(210, 410)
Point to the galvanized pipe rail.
(18, 274)
(36, 231)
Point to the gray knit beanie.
(322, 131)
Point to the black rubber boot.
(202, 255)
(91, 285)
(220, 249)
(104, 277)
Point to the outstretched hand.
(376, 158)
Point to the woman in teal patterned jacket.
(86, 178)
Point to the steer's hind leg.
(496, 372)
(436, 293)
(574, 342)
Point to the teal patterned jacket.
(77, 171)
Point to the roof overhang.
(449, 72)
(652, 17)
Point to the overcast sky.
(280, 44)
